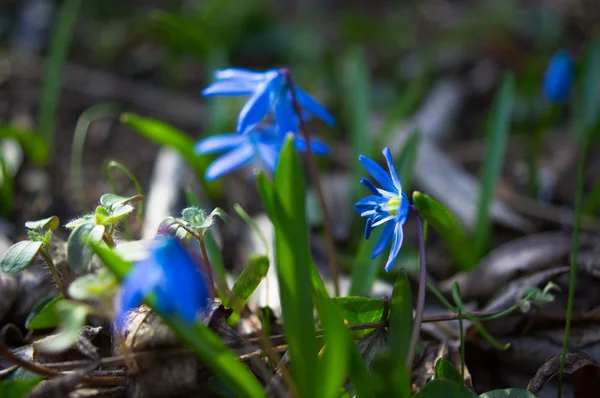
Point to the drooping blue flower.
(261, 142)
(269, 91)
(387, 206)
(172, 276)
(559, 77)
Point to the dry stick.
(47, 372)
(416, 332)
(53, 271)
(312, 164)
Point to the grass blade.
(59, 47)
(401, 318)
(497, 139)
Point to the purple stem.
(416, 332)
(312, 165)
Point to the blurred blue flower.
(172, 276)
(559, 77)
(388, 205)
(260, 141)
(269, 92)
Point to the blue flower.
(269, 91)
(559, 77)
(387, 206)
(261, 141)
(172, 276)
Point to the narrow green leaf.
(19, 256)
(390, 378)
(445, 370)
(357, 87)
(47, 223)
(401, 318)
(449, 229)
(18, 388)
(364, 268)
(407, 159)
(247, 282)
(163, 134)
(72, 319)
(508, 393)
(294, 267)
(57, 56)
(359, 310)
(444, 388)
(79, 253)
(266, 192)
(358, 374)
(210, 348)
(45, 315)
(119, 266)
(497, 139)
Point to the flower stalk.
(312, 165)
(414, 339)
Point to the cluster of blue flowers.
(559, 77)
(272, 111)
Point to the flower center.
(393, 204)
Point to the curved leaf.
(19, 256)
(79, 254)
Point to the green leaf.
(401, 318)
(79, 253)
(497, 139)
(45, 314)
(445, 370)
(247, 282)
(18, 388)
(72, 319)
(407, 159)
(390, 378)
(47, 223)
(33, 144)
(449, 229)
(19, 256)
(88, 218)
(118, 214)
(101, 285)
(292, 258)
(364, 268)
(508, 393)
(358, 310)
(444, 388)
(357, 87)
(266, 191)
(590, 103)
(163, 134)
(118, 266)
(111, 201)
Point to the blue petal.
(230, 87)
(368, 203)
(396, 244)
(388, 158)
(402, 211)
(367, 183)
(378, 173)
(268, 154)
(257, 107)
(219, 143)
(242, 74)
(230, 161)
(312, 106)
(384, 239)
(318, 147)
(140, 281)
(559, 77)
(185, 289)
(368, 228)
(286, 118)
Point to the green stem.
(573, 273)
(55, 274)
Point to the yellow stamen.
(393, 205)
